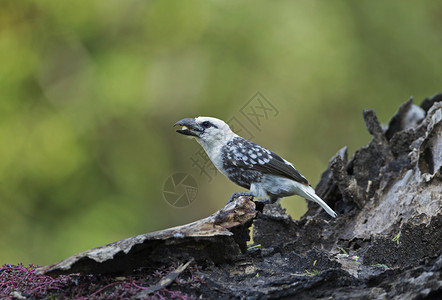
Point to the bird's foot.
(237, 195)
(265, 201)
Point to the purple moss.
(18, 281)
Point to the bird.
(266, 175)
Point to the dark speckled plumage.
(245, 162)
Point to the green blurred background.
(89, 91)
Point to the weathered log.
(211, 238)
(385, 243)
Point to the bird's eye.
(206, 124)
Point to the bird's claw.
(265, 201)
(237, 195)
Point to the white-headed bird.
(264, 173)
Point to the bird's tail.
(309, 194)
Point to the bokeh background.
(89, 91)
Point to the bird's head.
(205, 129)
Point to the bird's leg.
(270, 200)
(265, 201)
(237, 195)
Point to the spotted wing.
(248, 155)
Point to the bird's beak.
(190, 127)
